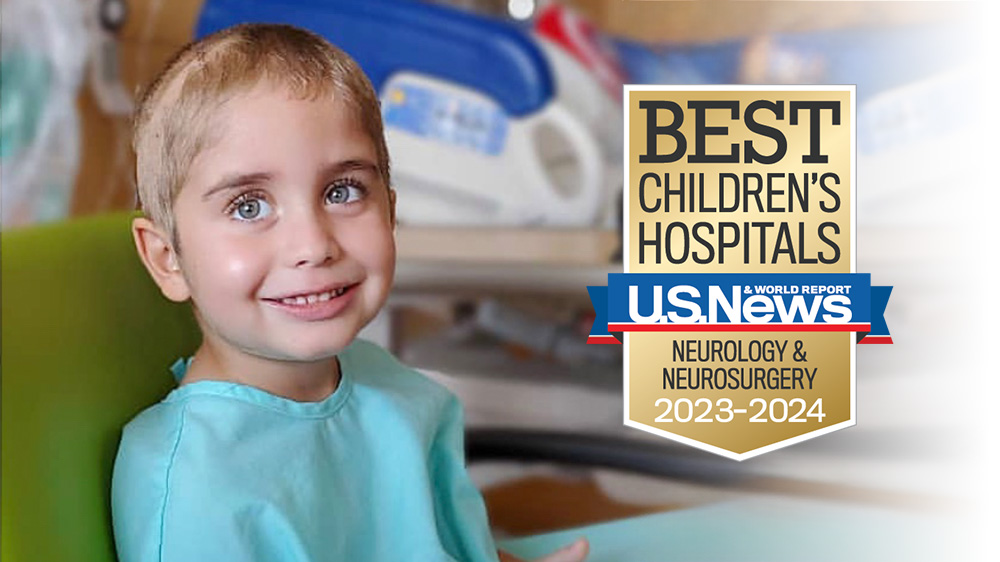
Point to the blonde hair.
(173, 121)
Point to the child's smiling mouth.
(314, 297)
(315, 306)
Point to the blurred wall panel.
(663, 21)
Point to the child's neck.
(299, 381)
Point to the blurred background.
(504, 124)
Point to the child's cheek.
(239, 268)
(227, 266)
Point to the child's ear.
(160, 258)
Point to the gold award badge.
(740, 304)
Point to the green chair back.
(87, 340)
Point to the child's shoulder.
(147, 444)
(371, 367)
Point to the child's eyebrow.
(233, 181)
(351, 165)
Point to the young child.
(264, 179)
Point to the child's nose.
(312, 241)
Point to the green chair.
(86, 342)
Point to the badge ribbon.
(718, 302)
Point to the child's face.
(284, 228)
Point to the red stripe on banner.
(876, 339)
(602, 339)
(739, 328)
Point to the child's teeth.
(316, 297)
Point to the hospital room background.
(508, 165)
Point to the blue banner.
(731, 302)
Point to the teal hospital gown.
(376, 472)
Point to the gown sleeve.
(463, 524)
(139, 483)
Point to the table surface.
(768, 529)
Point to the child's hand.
(575, 552)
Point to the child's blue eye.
(341, 193)
(249, 208)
